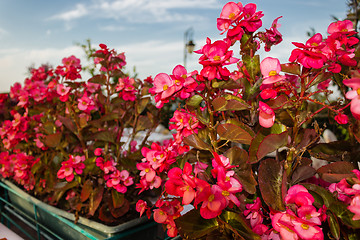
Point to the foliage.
(75, 143)
(248, 143)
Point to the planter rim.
(84, 221)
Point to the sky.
(150, 32)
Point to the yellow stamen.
(231, 15)
(225, 193)
(217, 58)
(305, 226)
(314, 44)
(165, 87)
(184, 76)
(358, 91)
(211, 198)
(273, 73)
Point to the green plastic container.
(62, 222)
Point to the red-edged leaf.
(53, 140)
(121, 211)
(100, 78)
(244, 173)
(232, 132)
(95, 199)
(271, 143)
(293, 68)
(336, 171)
(272, 183)
(105, 215)
(196, 142)
(86, 190)
(67, 122)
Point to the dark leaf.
(271, 143)
(141, 105)
(334, 151)
(293, 68)
(95, 199)
(105, 215)
(53, 140)
(106, 136)
(229, 103)
(272, 183)
(231, 132)
(68, 123)
(238, 223)
(100, 78)
(302, 173)
(336, 171)
(121, 211)
(244, 173)
(143, 123)
(86, 190)
(320, 78)
(193, 226)
(195, 141)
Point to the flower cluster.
(84, 135)
(253, 137)
(349, 193)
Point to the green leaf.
(195, 141)
(244, 173)
(86, 190)
(334, 151)
(194, 101)
(53, 140)
(293, 68)
(336, 171)
(143, 123)
(252, 65)
(193, 226)
(106, 136)
(118, 199)
(333, 224)
(231, 132)
(271, 143)
(141, 105)
(238, 223)
(272, 183)
(100, 78)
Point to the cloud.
(80, 10)
(140, 11)
(3, 33)
(14, 63)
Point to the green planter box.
(61, 223)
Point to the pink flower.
(341, 118)
(213, 202)
(345, 26)
(299, 195)
(266, 115)
(230, 12)
(354, 95)
(355, 207)
(270, 69)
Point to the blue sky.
(150, 32)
